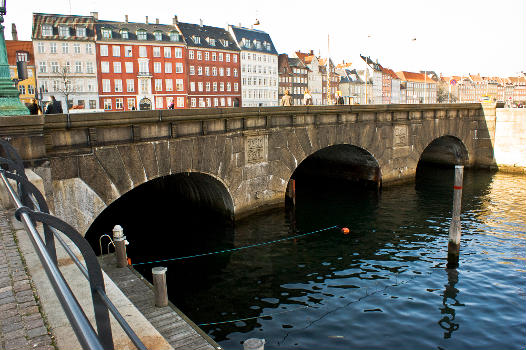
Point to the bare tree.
(65, 84)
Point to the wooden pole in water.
(159, 286)
(120, 246)
(453, 247)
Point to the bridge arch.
(445, 150)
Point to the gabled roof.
(253, 36)
(414, 77)
(390, 73)
(297, 63)
(374, 65)
(223, 39)
(117, 28)
(305, 57)
(13, 46)
(56, 20)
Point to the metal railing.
(30, 208)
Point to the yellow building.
(18, 50)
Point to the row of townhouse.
(97, 64)
(477, 88)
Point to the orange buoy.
(345, 231)
(129, 261)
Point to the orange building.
(18, 50)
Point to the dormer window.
(267, 46)
(247, 43)
(211, 42)
(196, 39)
(124, 34)
(81, 32)
(174, 36)
(63, 31)
(225, 43)
(158, 35)
(141, 34)
(47, 30)
(106, 33)
(22, 56)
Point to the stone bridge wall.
(89, 160)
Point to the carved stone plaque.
(401, 135)
(256, 150)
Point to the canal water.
(383, 285)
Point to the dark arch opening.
(176, 214)
(445, 151)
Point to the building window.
(158, 84)
(40, 47)
(192, 86)
(207, 56)
(106, 33)
(228, 87)
(107, 103)
(216, 102)
(141, 34)
(76, 48)
(89, 49)
(222, 102)
(54, 67)
(199, 70)
(196, 39)
(130, 85)
(78, 67)
(228, 72)
(42, 67)
(119, 103)
(179, 67)
(22, 89)
(180, 102)
(236, 87)
(168, 67)
(128, 52)
(106, 85)
(193, 102)
(30, 90)
(215, 86)
(199, 55)
(207, 71)
(156, 52)
(157, 67)
(234, 57)
(221, 86)
(208, 102)
(178, 52)
(221, 72)
(169, 85)
(65, 48)
(158, 35)
(47, 30)
(179, 84)
(207, 86)
(174, 36)
(201, 102)
(168, 52)
(192, 70)
(53, 47)
(118, 85)
(212, 42)
(129, 67)
(81, 32)
(200, 86)
(142, 51)
(63, 31)
(143, 67)
(131, 104)
(105, 67)
(225, 43)
(220, 57)
(124, 34)
(214, 71)
(116, 51)
(117, 67)
(104, 50)
(191, 54)
(214, 56)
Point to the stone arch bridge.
(87, 161)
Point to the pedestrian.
(171, 106)
(307, 98)
(54, 106)
(34, 108)
(286, 100)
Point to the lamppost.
(10, 103)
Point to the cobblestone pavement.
(22, 325)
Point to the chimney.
(240, 24)
(146, 19)
(95, 15)
(175, 20)
(312, 52)
(126, 18)
(200, 22)
(157, 21)
(14, 32)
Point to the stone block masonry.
(22, 324)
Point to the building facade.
(293, 77)
(17, 51)
(65, 59)
(213, 66)
(328, 74)
(416, 88)
(259, 67)
(142, 66)
(314, 76)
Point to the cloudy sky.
(452, 36)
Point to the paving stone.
(14, 334)
(11, 327)
(35, 332)
(32, 324)
(16, 344)
(13, 319)
(41, 340)
(29, 310)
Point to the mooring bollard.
(119, 239)
(159, 286)
(453, 246)
(254, 344)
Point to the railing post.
(120, 246)
(159, 286)
(453, 247)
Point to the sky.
(452, 36)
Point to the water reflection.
(447, 322)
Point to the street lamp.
(9, 95)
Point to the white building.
(65, 59)
(315, 76)
(259, 67)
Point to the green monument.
(10, 103)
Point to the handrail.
(32, 198)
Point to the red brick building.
(141, 66)
(213, 62)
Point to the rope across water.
(239, 248)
